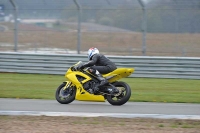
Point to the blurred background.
(115, 27)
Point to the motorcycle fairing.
(118, 74)
(81, 93)
(71, 76)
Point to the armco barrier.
(145, 66)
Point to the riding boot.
(103, 82)
(99, 77)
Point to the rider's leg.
(98, 75)
(102, 80)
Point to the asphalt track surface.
(130, 109)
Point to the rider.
(98, 64)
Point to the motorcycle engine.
(89, 85)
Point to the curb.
(115, 115)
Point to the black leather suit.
(101, 63)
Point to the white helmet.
(92, 51)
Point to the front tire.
(122, 97)
(65, 96)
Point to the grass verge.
(39, 86)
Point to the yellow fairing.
(118, 74)
(82, 94)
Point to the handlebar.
(74, 68)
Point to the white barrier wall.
(145, 66)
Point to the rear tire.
(65, 96)
(123, 97)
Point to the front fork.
(67, 85)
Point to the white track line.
(116, 115)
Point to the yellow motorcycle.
(80, 84)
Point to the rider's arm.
(92, 61)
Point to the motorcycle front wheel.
(122, 97)
(65, 96)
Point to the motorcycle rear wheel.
(65, 96)
(122, 97)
